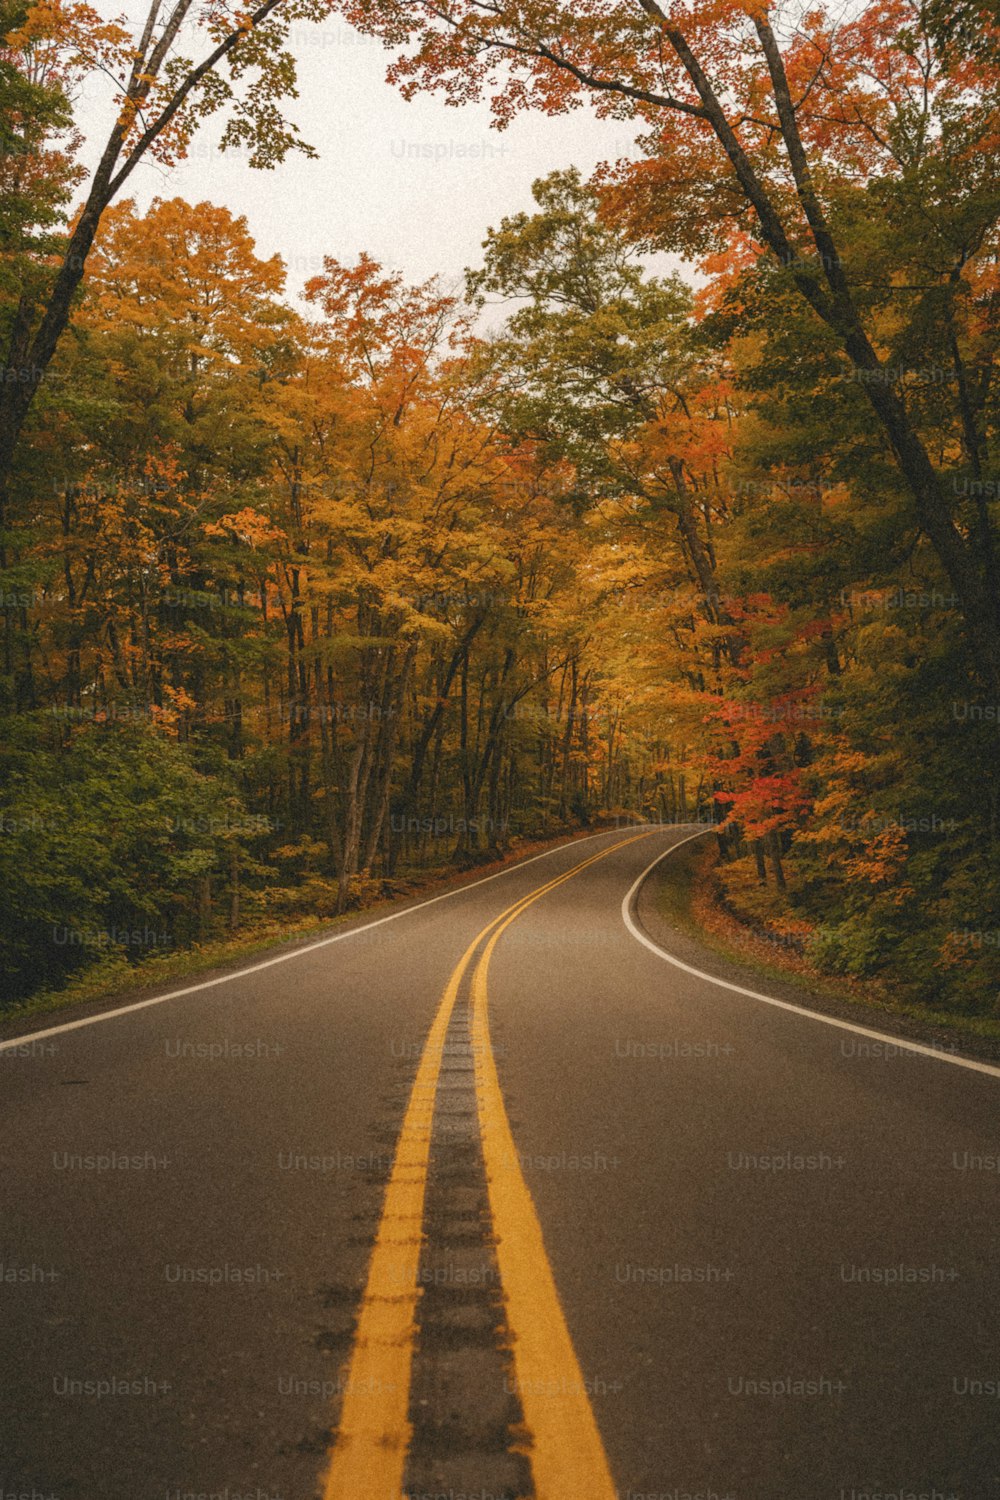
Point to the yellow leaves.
(881, 857)
(62, 39)
(179, 699)
(248, 527)
(178, 645)
(846, 762)
(41, 21)
(177, 704)
(187, 278)
(860, 841)
(957, 952)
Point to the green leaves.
(102, 834)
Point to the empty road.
(490, 1199)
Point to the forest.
(310, 593)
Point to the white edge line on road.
(281, 958)
(799, 1010)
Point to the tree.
(765, 143)
(600, 367)
(302, 605)
(162, 97)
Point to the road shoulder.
(218, 960)
(663, 910)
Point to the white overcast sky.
(416, 185)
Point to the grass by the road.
(687, 897)
(113, 977)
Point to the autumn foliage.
(298, 604)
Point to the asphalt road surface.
(491, 1200)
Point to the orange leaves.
(67, 37)
(177, 705)
(248, 527)
(192, 268)
(880, 859)
(865, 846)
(724, 269)
(354, 297)
(856, 839)
(187, 320)
(680, 197)
(374, 322)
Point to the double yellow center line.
(374, 1432)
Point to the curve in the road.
(629, 918)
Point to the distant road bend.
(487, 1200)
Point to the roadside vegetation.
(298, 607)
